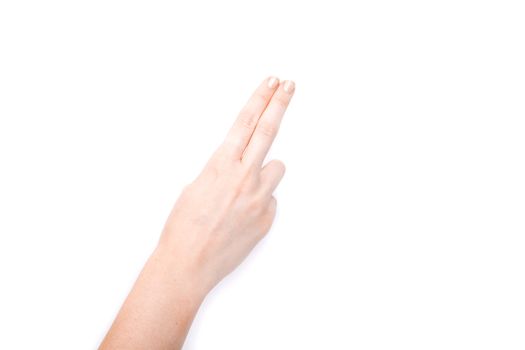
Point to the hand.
(229, 207)
(214, 224)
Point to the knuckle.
(250, 169)
(281, 167)
(268, 218)
(247, 119)
(268, 129)
(258, 201)
(254, 205)
(240, 178)
(281, 100)
(246, 181)
(260, 98)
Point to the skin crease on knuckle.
(248, 119)
(268, 129)
(248, 116)
(214, 224)
(282, 100)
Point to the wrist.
(185, 277)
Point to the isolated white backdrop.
(401, 216)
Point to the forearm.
(160, 308)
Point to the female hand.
(214, 224)
(229, 207)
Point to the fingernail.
(289, 86)
(272, 82)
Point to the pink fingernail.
(289, 86)
(272, 82)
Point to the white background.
(401, 216)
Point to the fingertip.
(272, 82)
(276, 164)
(281, 166)
(289, 86)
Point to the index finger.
(268, 124)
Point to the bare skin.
(213, 226)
